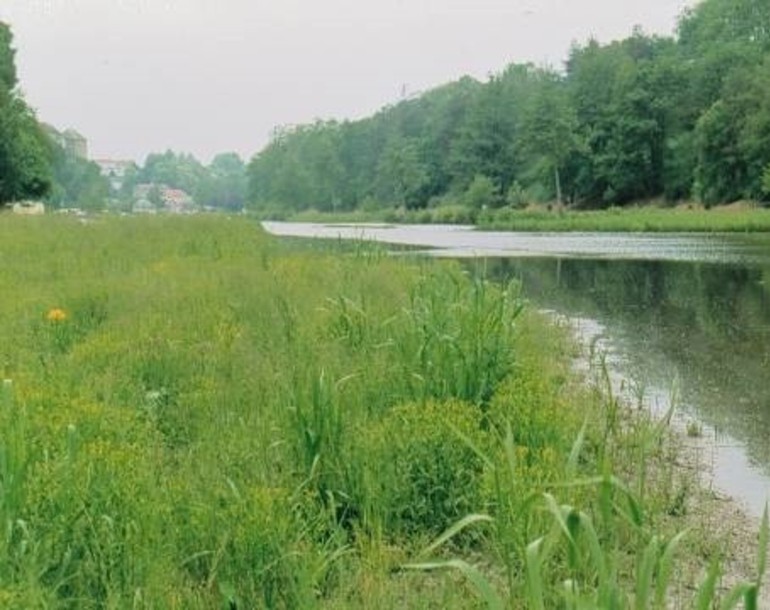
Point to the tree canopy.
(25, 170)
(647, 117)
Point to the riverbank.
(725, 219)
(695, 219)
(686, 454)
(198, 415)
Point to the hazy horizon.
(137, 76)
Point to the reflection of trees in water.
(709, 324)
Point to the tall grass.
(199, 416)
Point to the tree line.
(221, 184)
(648, 117)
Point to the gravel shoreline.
(725, 522)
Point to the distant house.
(164, 198)
(75, 144)
(114, 170)
(70, 140)
(177, 201)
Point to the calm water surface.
(671, 309)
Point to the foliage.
(76, 182)
(221, 185)
(481, 193)
(642, 118)
(24, 163)
(747, 219)
(426, 476)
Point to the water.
(669, 309)
(456, 241)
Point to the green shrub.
(425, 474)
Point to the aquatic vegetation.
(221, 419)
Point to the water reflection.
(452, 241)
(707, 324)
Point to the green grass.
(634, 219)
(196, 415)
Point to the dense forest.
(645, 118)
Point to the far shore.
(740, 217)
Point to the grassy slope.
(198, 416)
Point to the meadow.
(197, 415)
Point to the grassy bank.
(195, 415)
(635, 219)
(632, 219)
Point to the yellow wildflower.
(56, 315)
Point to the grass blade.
(454, 530)
(708, 589)
(534, 575)
(483, 587)
(666, 567)
(645, 573)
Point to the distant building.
(114, 170)
(75, 144)
(177, 201)
(164, 198)
(70, 140)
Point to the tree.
(225, 184)
(7, 63)
(549, 130)
(733, 138)
(619, 119)
(178, 171)
(76, 182)
(402, 175)
(482, 193)
(24, 156)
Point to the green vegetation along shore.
(196, 415)
(746, 219)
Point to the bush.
(517, 196)
(425, 476)
(766, 182)
(481, 193)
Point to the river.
(684, 310)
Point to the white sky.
(207, 76)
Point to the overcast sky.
(206, 76)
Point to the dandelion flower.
(56, 315)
